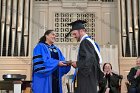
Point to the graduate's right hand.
(107, 90)
(74, 64)
(104, 73)
(61, 63)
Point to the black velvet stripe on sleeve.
(37, 63)
(38, 56)
(38, 69)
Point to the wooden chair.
(69, 84)
(120, 82)
(127, 85)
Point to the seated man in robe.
(134, 78)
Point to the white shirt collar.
(83, 37)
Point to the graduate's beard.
(78, 39)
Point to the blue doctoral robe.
(43, 67)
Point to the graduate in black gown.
(109, 83)
(134, 78)
(87, 60)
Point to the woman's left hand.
(62, 64)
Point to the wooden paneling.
(15, 65)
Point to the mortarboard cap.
(76, 25)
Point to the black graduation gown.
(88, 66)
(113, 83)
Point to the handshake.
(70, 63)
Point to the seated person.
(134, 78)
(109, 82)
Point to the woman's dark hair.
(105, 64)
(43, 38)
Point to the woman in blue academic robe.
(48, 65)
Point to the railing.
(109, 53)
